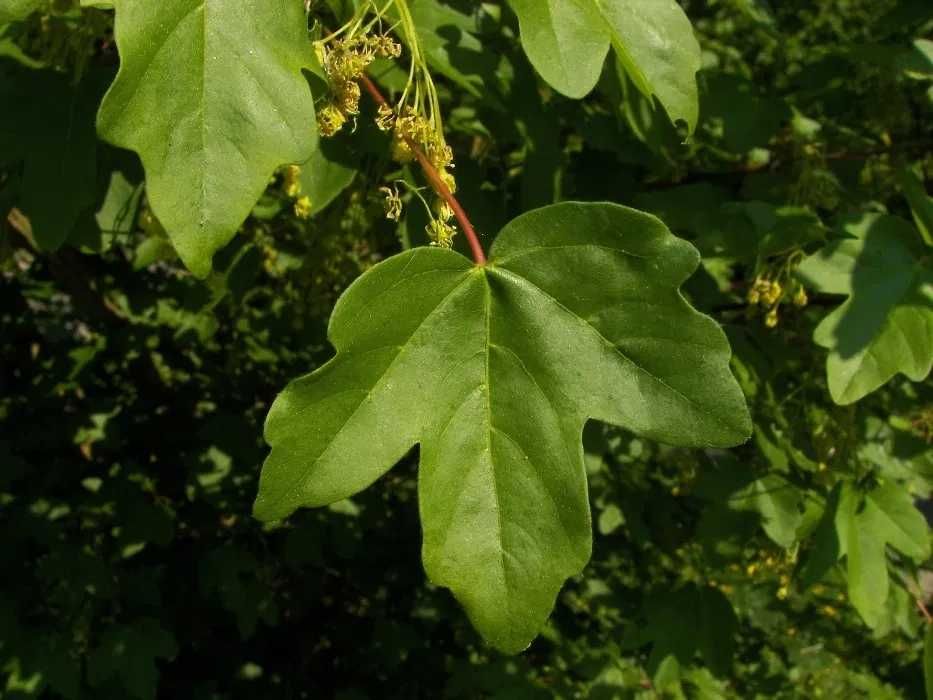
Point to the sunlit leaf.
(212, 97)
(493, 371)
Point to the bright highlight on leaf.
(886, 325)
(494, 371)
(212, 97)
(567, 42)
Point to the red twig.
(436, 182)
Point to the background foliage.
(132, 394)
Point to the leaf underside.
(212, 96)
(494, 371)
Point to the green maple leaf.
(494, 371)
(212, 97)
(567, 42)
(886, 325)
(860, 528)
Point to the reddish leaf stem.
(436, 182)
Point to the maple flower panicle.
(392, 203)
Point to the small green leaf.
(494, 371)
(567, 42)
(887, 517)
(886, 325)
(212, 97)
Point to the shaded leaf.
(48, 124)
(886, 325)
(128, 654)
(693, 621)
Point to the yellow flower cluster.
(441, 233)
(412, 128)
(769, 293)
(344, 61)
(303, 207)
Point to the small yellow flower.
(290, 181)
(401, 151)
(303, 207)
(441, 233)
(773, 294)
(783, 592)
(800, 298)
(348, 96)
(385, 117)
(771, 320)
(443, 210)
(330, 120)
(392, 204)
(751, 569)
(448, 180)
(385, 46)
